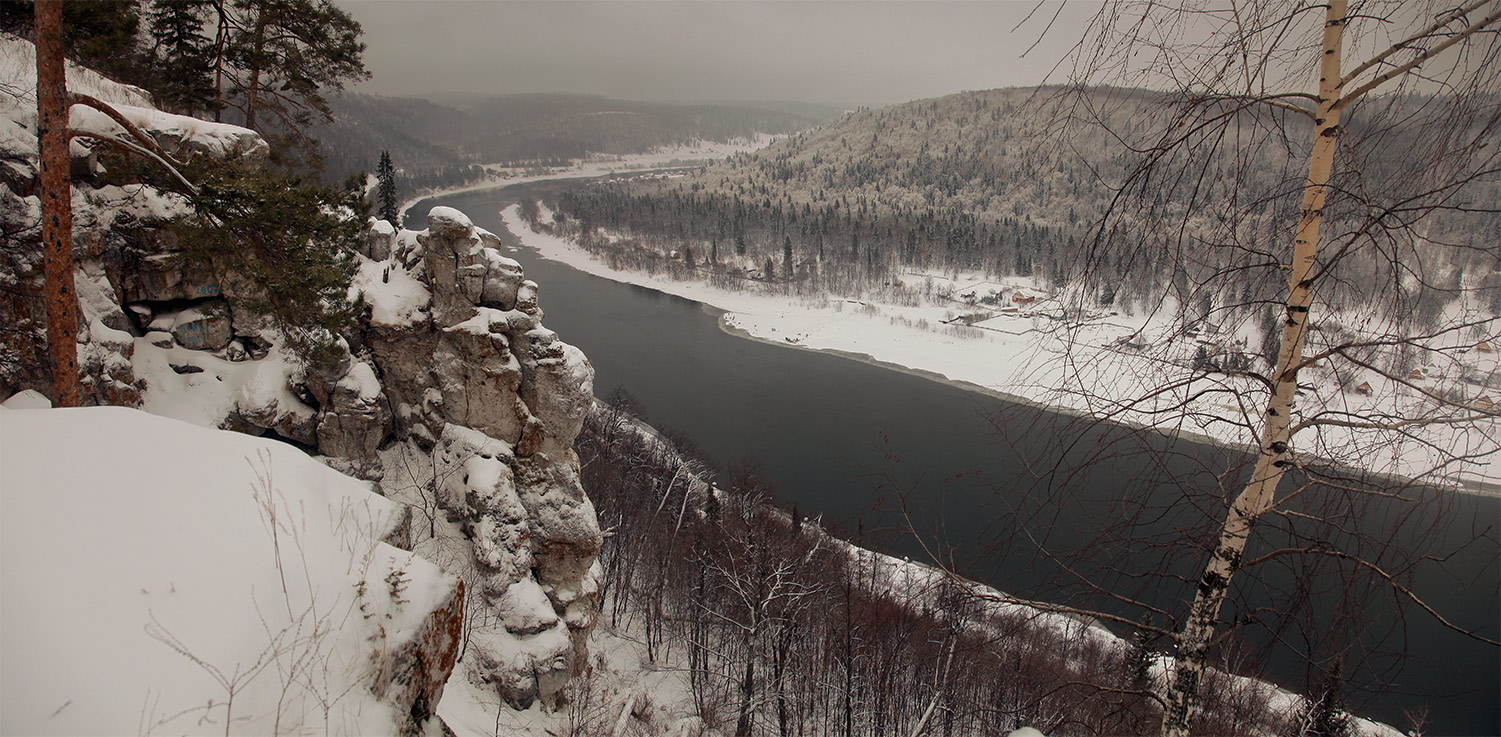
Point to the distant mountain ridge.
(1014, 182)
(435, 143)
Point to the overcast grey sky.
(808, 50)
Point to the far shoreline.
(1470, 487)
(1473, 488)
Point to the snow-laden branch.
(147, 145)
(137, 150)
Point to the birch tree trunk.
(1275, 457)
(57, 206)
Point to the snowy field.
(1097, 366)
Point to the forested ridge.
(1015, 182)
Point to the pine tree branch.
(139, 151)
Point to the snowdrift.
(161, 577)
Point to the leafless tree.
(784, 630)
(1365, 195)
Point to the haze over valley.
(745, 368)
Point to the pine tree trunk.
(1259, 493)
(221, 41)
(57, 206)
(251, 99)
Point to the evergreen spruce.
(181, 66)
(1327, 717)
(1140, 662)
(1201, 359)
(385, 174)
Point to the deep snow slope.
(166, 578)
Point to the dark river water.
(984, 483)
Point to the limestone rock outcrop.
(450, 393)
(496, 401)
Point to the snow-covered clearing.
(161, 577)
(1024, 354)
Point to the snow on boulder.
(18, 171)
(480, 376)
(558, 388)
(355, 420)
(18, 67)
(245, 589)
(446, 222)
(180, 135)
(452, 254)
(379, 240)
(266, 401)
(527, 610)
(200, 330)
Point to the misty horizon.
(837, 54)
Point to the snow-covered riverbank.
(624, 676)
(1096, 368)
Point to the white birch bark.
(1275, 455)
